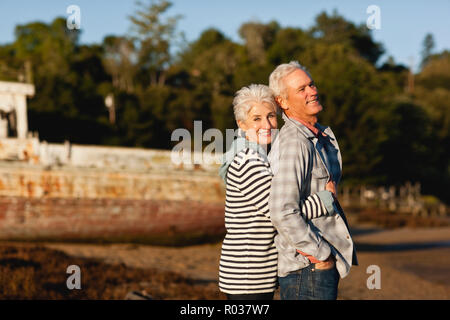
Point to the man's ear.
(281, 102)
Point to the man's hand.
(320, 265)
(327, 264)
(331, 186)
(310, 257)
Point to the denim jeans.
(310, 283)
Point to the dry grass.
(34, 272)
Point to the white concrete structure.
(13, 107)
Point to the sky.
(403, 23)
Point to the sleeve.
(317, 205)
(288, 184)
(253, 178)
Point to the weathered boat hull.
(172, 207)
(160, 222)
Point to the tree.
(406, 150)
(288, 45)
(428, 46)
(257, 38)
(118, 59)
(153, 37)
(48, 46)
(212, 63)
(11, 69)
(68, 104)
(335, 29)
(432, 92)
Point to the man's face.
(302, 100)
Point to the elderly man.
(305, 157)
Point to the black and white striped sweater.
(248, 262)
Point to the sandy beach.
(414, 263)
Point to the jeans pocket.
(325, 283)
(288, 287)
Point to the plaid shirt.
(299, 163)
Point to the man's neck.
(308, 119)
(308, 122)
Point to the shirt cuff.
(323, 252)
(328, 201)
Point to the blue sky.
(404, 24)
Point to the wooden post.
(346, 196)
(362, 198)
(392, 200)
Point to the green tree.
(407, 155)
(119, 53)
(288, 45)
(212, 62)
(336, 29)
(11, 68)
(428, 46)
(48, 46)
(67, 104)
(153, 37)
(258, 37)
(432, 91)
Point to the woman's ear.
(281, 102)
(241, 125)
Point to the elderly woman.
(248, 262)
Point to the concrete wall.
(33, 151)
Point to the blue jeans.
(310, 283)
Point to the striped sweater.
(248, 262)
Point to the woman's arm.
(253, 177)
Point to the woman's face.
(261, 119)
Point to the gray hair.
(246, 97)
(276, 77)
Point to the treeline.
(393, 126)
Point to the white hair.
(246, 97)
(276, 82)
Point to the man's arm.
(293, 174)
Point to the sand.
(414, 263)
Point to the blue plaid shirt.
(302, 165)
